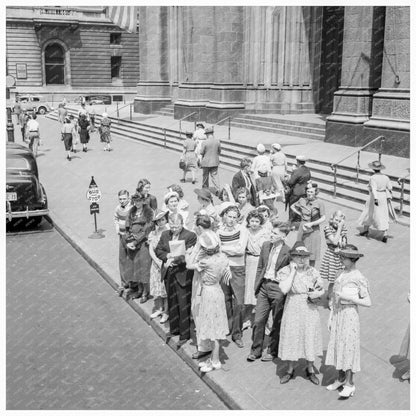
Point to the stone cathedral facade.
(350, 64)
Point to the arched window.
(54, 64)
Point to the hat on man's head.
(209, 240)
(261, 148)
(199, 124)
(276, 146)
(160, 214)
(301, 158)
(299, 249)
(204, 193)
(225, 206)
(189, 133)
(376, 165)
(209, 130)
(350, 251)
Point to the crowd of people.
(228, 266)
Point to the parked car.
(98, 99)
(35, 103)
(25, 195)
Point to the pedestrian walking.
(378, 206)
(24, 118)
(83, 130)
(75, 134)
(120, 216)
(300, 332)
(210, 159)
(213, 324)
(171, 249)
(350, 291)
(266, 186)
(17, 110)
(157, 287)
(33, 135)
(279, 167)
(62, 113)
(274, 255)
(296, 187)
(66, 133)
(233, 237)
(336, 238)
(243, 179)
(105, 132)
(139, 223)
(261, 160)
(312, 213)
(188, 157)
(92, 113)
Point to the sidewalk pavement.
(240, 384)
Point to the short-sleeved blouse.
(308, 278)
(310, 210)
(352, 279)
(212, 268)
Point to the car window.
(35, 99)
(17, 163)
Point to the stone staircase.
(165, 111)
(351, 192)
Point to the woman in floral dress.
(157, 287)
(105, 133)
(350, 291)
(213, 323)
(300, 331)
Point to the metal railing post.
(334, 168)
(358, 166)
(118, 114)
(229, 128)
(164, 137)
(381, 149)
(180, 128)
(131, 108)
(401, 183)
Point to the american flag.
(123, 16)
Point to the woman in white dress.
(279, 167)
(376, 210)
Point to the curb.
(186, 357)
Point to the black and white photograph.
(207, 207)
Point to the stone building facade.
(349, 63)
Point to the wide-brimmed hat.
(160, 214)
(351, 253)
(301, 158)
(209, 130)
(169, 195)
(204, 193)
(189, 133)
(376, 165)
(224, 206)
(299, 249)
(276, 146)
(260, 148)
(199, 124)
(209, 240)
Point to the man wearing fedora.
(296, 186)
(378, 206)
(243, 179)
(210, 159)
(178, 279)
(273, 256)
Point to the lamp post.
(10, 125)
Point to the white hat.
(301, 158)
(105, 115)
(261, 148)
(276, 146)
(224, 206)
(209, 240)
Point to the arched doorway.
(54, 64)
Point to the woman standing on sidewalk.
(143, 188)
(189, 156)
(84, 125)
(139, 223)
(105, 133)
(350, 291)
(279, 167)
(66, 133)
(157, 287)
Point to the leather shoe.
(182, 342)
(267, 357)
(312, 377)
(363, 233)
(143, 299)
(199, 354)
(239, 343)
(285, 379)
(384, 239)
(252, 357)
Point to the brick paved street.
(250, 385)
(73, 344)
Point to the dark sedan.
(25, 195)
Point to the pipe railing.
(180, 122)
(117, 111)
(358, 152)
(229, 125)
(400, 181)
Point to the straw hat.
(276, 146)
(160, 214)
(376, 165)
(351, 253)
(260, 148)
(299, 249)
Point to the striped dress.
(331, 262)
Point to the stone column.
(153, 89)
(391, 103)
(360, 76)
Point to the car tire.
(42, 110)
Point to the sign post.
(94, 196)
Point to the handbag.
(182, 164)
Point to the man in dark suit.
(210, 159)
(273, 256)
(296, 186)
(242, 179)
(178, 279)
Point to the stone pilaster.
(391, 103)
(360, 76)
(153, 89)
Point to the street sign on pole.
(94, 195)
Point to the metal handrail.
(229, 125)
(400, 181)
(358, 152)
(119, 108)
(180, 122)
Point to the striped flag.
(124, 17)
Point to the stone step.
(284, 120)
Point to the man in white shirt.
(32, 128)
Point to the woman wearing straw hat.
(350, 291)
(279, 167)
(378, 205)
(300, 331)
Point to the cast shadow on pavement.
(401, 365)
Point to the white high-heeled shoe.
(347, 391)
(335, 385)
(211, 365)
